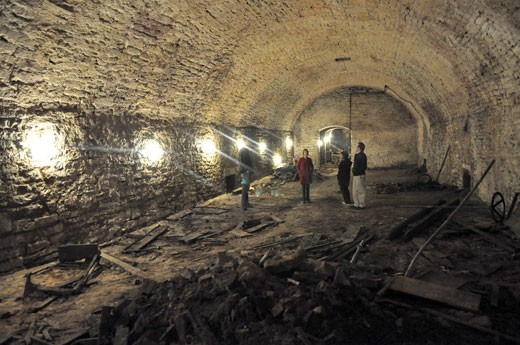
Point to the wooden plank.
(130, 269)
(74, 252)
(195, 235)
(423, 223)
(146, 239)
(259, 227)
(456, 298)
(277, 219)
(398, 230)
(179, 215)
(210, 210)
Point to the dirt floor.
(283, 272)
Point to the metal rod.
(442, 165)
(443, 225)
(350, 124)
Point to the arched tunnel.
(115, 115)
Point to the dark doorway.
(466, 179)
(230, 183)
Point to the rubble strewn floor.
(286, 273)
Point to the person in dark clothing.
(246, 170)
(359, 190)
(305, 169)
(344, 176)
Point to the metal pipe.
(442, 165)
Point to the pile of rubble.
(288, 299)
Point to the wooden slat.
(456, 298)
(259, 227)
(146, 239)
(179, 215)
(130, 269)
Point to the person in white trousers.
(359, 169)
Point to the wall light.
(288, 143)
(43, 143)
(262, 147)
(277, 160)
(319, 143)
(151, 150)
(208, 147)
(328, 137)
(240, 143)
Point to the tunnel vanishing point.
(113, 114)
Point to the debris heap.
(289, 299)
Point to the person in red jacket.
(305, 168)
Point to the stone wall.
(381, 122)
(100, 185)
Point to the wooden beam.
(456, 298)
(130, 269)
(146, 239)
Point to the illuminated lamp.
(151, 151)
(43, 143)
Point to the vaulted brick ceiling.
(257, 62)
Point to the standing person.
(305, 169)
(246, 170)
(359, 190)
(344, 176)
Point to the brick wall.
(381, 122)
(101, 186)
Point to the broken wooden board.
(190, 238)
(179, 215)
(399, 229)
(436, 214)
(259, 227)
(130, 269)
(277, 219)
(456, 298)
(211, 210)
(146, 239)
(74, 252)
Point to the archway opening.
(333, 140)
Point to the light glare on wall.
(288, 143)
(240, 143)
(319, 143)
(328, 137)
(262, 147)
(208, 147)
(277, 160)
(152, 151)
(43, 143)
